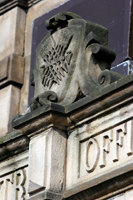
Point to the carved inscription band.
(115, 144)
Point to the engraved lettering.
(12, 186)
(130, 138)
(4, 186)
(118, 141)
(109, 147)
(19, 181)
(91, 154)
(106, 139)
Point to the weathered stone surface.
(101, 191)
(16, 162)
(9, 102)
(4, 69)
(12, 145)
(13, 185)
(129, 195)
(47, 152)
(13, 178)
(12, 70)
(46, 195)
(34, 12)
(99, 152)
(66, 70)
(25, 87)
(99, 147)
(12, 24)
(88, 108)
(49, 116)
(6, 5)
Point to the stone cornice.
(6, 5)
(103, 101)
(12, 144)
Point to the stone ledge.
(90, 107)
(13, 144)
(100, 189)
(6, 5)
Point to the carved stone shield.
(70, 59)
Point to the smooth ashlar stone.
(9, 103)
(12, 24)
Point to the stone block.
(4, 69)
(25, 87)
(16, 65)
(13, 178)
(118, 197)
(99, 156)
(99, 152)
(12, 32)
(46, 161)
(129, 195)
(12, 70)
(9, 102)
(6, 5)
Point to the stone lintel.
(11, 69)
(109, 98)
(6, 5)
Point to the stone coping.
(88, 108)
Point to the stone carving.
(56, 61)
(97, 155)
(90, 168)
(109, 144)
(72, 61)
(13, 186)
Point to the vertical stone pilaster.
(46, 164)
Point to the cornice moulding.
(6, 5)
(107, 99)
(12, 144)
